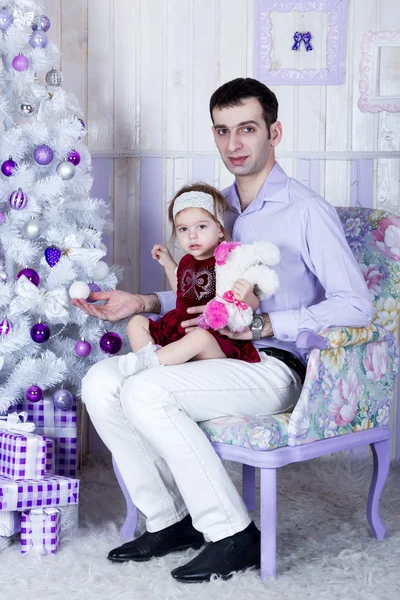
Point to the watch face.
(257, 323)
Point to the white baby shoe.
(133, 362)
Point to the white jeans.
(148, 422)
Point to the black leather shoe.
(234, 553)
(178, 536)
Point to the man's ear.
(276, 133)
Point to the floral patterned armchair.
(346, 397)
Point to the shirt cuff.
(167, 301)
(285, 324)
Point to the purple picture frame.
(332, 75)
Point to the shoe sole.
(223, 577)
(140, 559)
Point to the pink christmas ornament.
(20, 63)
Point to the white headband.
(196, 200)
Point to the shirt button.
(285, 337)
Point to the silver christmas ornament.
(27, 108)
(54, 78)
(32, 229)
(66, 170)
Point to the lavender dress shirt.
(321, 284)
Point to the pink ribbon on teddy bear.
(229, 297)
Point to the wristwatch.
(256, 327)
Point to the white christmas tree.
(50, 228)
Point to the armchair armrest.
(340, 337)
(349, 383)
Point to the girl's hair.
(220, 205)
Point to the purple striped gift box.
(65, 449)
(45, 414)
(59, 425)
(40, 530)
(52, 490)
(23, 456)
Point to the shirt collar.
(273, 189)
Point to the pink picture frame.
(370, 100)
(332, 74)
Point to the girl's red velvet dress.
(196, 286)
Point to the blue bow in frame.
(306, 37)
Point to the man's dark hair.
(234, 92)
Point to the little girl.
(196, 215)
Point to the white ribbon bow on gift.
(22, 19)
(73, 244)
(16, 422)
(51, 304)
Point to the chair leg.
(268, 522)
(381, 454)
(249, 486)
(128, 528)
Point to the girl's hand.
(243, 291)
(161, 254)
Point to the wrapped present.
(69, 518)
(40, 530)
(45, 414)
(59, 425)
(23, 455)
(65, 449)
(52, 490)
(10, 522)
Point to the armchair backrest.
(374, 237)
(350, 387)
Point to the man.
(149, 422)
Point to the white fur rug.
(325, 549)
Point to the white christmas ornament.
(79, 289)
(32, 229)
(100, 270)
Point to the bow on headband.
(16, 422)
(51, 304)
(306, 37)
(230, 298)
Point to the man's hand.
(243, 291)
(163, 256)
(119, 305)
(192, 323)
(237, 335)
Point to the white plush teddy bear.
(240, 261)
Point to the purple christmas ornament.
(74, 157)
(62, 399)
(83, 348)
(2, 217)
(110, 342)
(43, 155)
(52, 255)
(34, 393)
(18, 200)
(42, 23)
(6, 19)
(20, 62)
(40, 332)
(5, 326)
(93, 288)
(38, 39)
(29, 274)
(8, 166)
